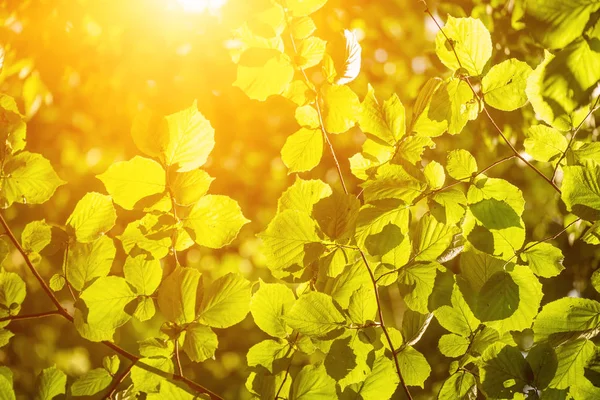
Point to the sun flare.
(200, 6)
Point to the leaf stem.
(30, 316)
(287, 370)
(382, 323)
(564, 153)
(317, 105)
(118, 380)
(177, 359)
(485, 110)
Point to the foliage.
(406, 270)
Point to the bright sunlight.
(200, 6)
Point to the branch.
(177, 359)
(30, 316)
(485, 110)
(385, 331)
(317, 106)
(532, 245)
(35, 273)
(118, 380)
(287, 370)
(62, 312)
(564, 154)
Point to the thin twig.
(563, 155)
(532, 245)
(30, 316)
(177, 359)
(485, 110)
(318, 107)
(64, 313)
(118, 380)
(383, 327)
(287, 370)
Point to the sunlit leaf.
(93, 216)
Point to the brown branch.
(382, 324)
(317, 106)
(564, 154)
(532, 245)
(118, 380)
(30, 316)
(62, 312)
(177, 359)
(485, 110)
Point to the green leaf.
(457, 317)
(215, 221)
(156, 347)
(544, 143)
(432, 238)
(453, 202)
(313, 382)
(263, 72)
(544, 259)
(567, 318)
(93, 216)
(416, 282)
(572, 358)
(6, 384)
(177, 295)
(28, 178)
(495, 214)
(541, 105)
(504, 85)
(543, 363)
(152, 234)
(303, 195)
(286, 237)
(188, 187)
(226, 301)
(128, 182)
(435, 175)
(461, 165)
(86, 261)
(106, 299)
(5, 336)
(460, 385)
(363, 306)
(509, 300)
(200, 342)
(57, 282)
(351, 279)
(148, 381)
(310, 52)
(392, 181)
(301, 8)
(302, 150)
(452, 105)
(571, 71)
(14, 129)
(340, 106)
(386, 122)
(503, 371)
(414, 367)
(50, 382)
(91, 383)
(268, 306)
(266, 353)
(411, 148)
(303, 27)
(144, 275)
(191, 139)
(12, 293)
(265, 385)
(382, 381)
(581, 190)
(336, 216)
(145, 309)
(373, 218)
(36, 236)
(472, 44)
(111, 364)
(314, 314)
(556, 23)
(452, 345)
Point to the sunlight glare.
(199, 6)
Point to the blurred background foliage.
(81, 69)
